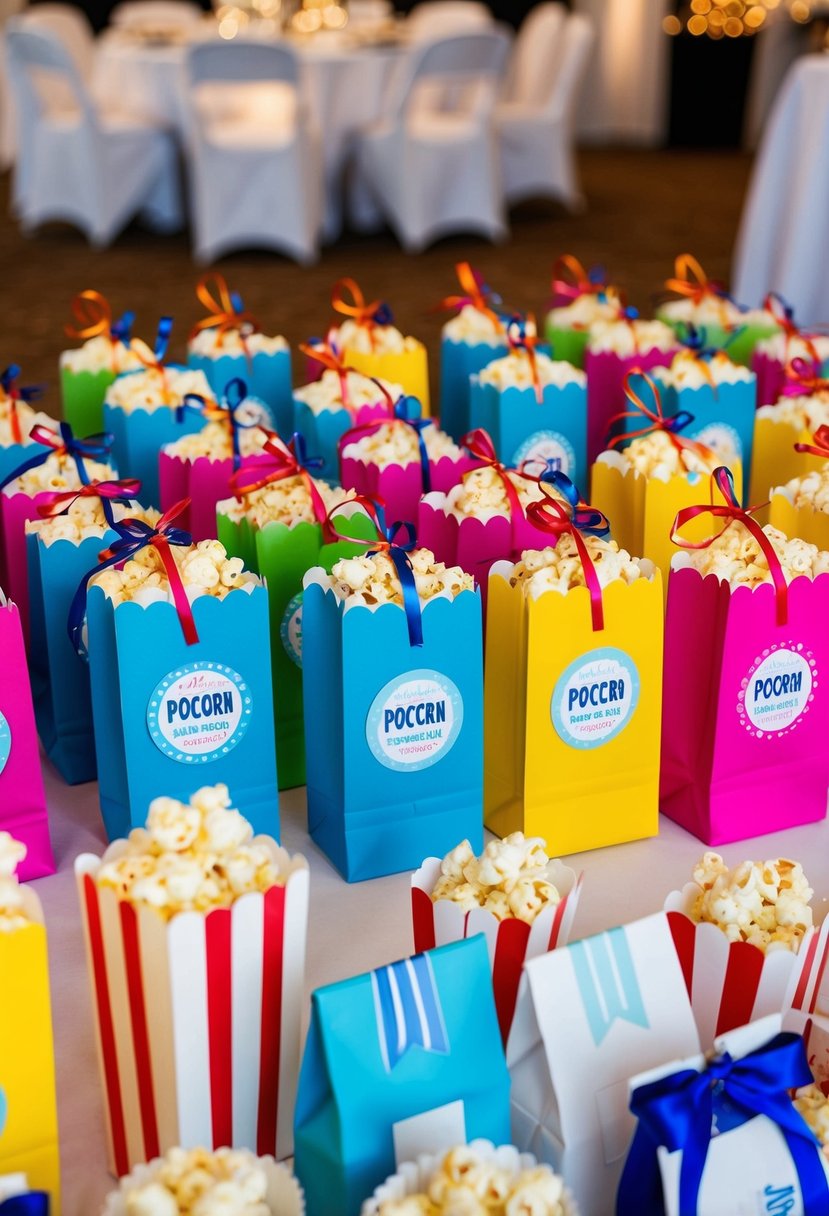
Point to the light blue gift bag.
(170, 717)
(139, 435)
(267, 376)
(551, 432)
(402, 1061)
(722, 416)
(459, 361)
(393, 730)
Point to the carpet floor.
(643, 208)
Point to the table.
(783, 242)
(343, 85)
(353, 928)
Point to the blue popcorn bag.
(461, 354)
(544, 422)
(401, 1061)
(393, 710)
(181, 692)
(13, 454)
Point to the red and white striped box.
(510, 942)
(729, 983)
(806, 1007)
(198, 1018)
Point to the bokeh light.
(731, 18)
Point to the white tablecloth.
(352, 929)
(783, 243)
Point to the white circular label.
(721, 438)
(414, 720)
(5, 741)
(290, 629)
(777, 690)
(595, 697)
(544, 447)
(199, 712)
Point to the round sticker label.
(290, 630)
(778, 690)
(546, 446)
(722, 438)
(414, 721)
(5, 742)
(595, 697)
(199, 712)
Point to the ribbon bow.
(691, 282)
(476, 294)
(224, 411)
(677, 1112)
(365, 315)
(398, 553)
(59, 502)
(404, 411)
(225, 310)
(64, 443)
(575, 518)
(522, 334)
(32, 1203)
(133, 536)
(579, 282)
(819, 445)
(480, 446)
(656, 420)
(804, 378)
(12, 393)
(289, 460)
(730, 510)
(153, 359)
(327, 353)
(93, 315)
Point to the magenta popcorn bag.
(792, 343)
(22, 800)
(746, 701)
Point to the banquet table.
(343, 85)
(353, 928)
(783, 242)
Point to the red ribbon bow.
(12, 396)
(476, 294)
(803, 379)
(93, 315)
(577, 284)
(656, 419)
(222, 312)
(820, 444)
(690, 280)
(58, 502)
(731, 510)
(556, 516)
(285, 464)
(479, 445)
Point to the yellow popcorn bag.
(779, 428)
(28, 1112)
(573, 700)
(644, 507)
(805, 519)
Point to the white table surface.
(783, 243)
(353, 928)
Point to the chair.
(254, 156)
(432, 170)
(91, 169)
(69, 26)
(434, 19)
(132, 14)
(535, 56)
(536, 137)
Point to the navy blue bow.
(234, 396)
(399, 554)
(93, 447)
(33, 1203)
(589, 520)
(32, 392)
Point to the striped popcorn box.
(729, 983)
(197, 1018)
(510, 942)
(806, 1004)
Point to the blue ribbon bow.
(33, 1203)
(418, 425)
(589, 520)
(677, 1112)
(32, 392)
(297, 445)
(235, 394)
(399, 554)
(121, 329)
(93, 447)
(162, 338)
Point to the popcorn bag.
(534, 409)
(87, 372)
(761, 1155)
(178, 685)
(773, 355)
(282, 553)
(393, 702)
(743, 730)
(198, 1012)
(22, 798)
(580, 298)
(28, 1110)
(471, 340)
(590, 1015)
(799, 508)
(228, 344)
(510, 940)
(17, 420)
(573, 688)
(779, 429)
(403, 1061)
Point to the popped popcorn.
(807, 412)
(205, 569)
(327, 392)
(214, 341)
(482, 494)
(764, 903)
(736, 558)
(392, 444)
(810, 490)
(655, 455)
(687, 371)
(204, 1182)
(372, 579)
(711, 310)
(85, 517)
(633, 337)
(786, 347)
(472, 325)
(511, 878)
(468, 1183)
(585, 311)
(372, 339)
(26, 419)
(152, 388)
(285, 502)
(99, 354)
(191, 857)
(13, 913)
(58, 472)
(515, 371)
(559, 568)
(215, 440)
(811, 1102)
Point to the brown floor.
(643, 208)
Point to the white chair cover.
(535, 55)
(8, 8)
(536, 138)
(69, 26)
(133, 14)
(93, 170)
(441, 18)
(254, 156)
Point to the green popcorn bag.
(280, 540)
(87, 372)
(579, 298)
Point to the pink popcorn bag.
(771, 372)
(745, 699)
(22, 798)
(197, 1019)
(509, 942)
(606, 372)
